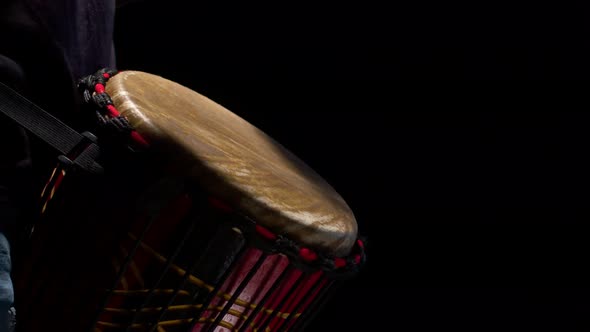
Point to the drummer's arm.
(13, 148)
(13, 156)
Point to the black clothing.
(45, 46)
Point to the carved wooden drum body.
(213, 226)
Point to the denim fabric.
(6, 291)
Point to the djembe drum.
(200, 222)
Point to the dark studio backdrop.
(473, 193)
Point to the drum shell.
(175, 237)
(94, 223)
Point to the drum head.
(235, 161)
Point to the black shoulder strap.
(51, 130)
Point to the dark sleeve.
(15, 161)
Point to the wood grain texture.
(235, 161)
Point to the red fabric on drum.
(296, 298)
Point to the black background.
(443, 125)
